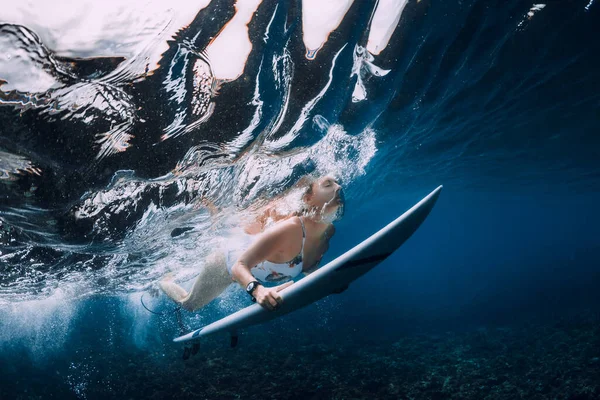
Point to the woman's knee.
(216, 258)
(216, 266)
(188, 306)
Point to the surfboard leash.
(162, 314)
(188, 351)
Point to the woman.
(294, 244)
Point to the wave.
(114, 146)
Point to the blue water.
(102, 159)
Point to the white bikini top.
(268, 271)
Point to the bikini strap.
(303, 230)
(303, 237)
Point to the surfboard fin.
(195, 347)
(192, 350)
(340, 290)
(187, 352)
(234, 340)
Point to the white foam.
(20, 69)
(384, 23)
(287, 139)
(229, 51)
(589, 5)
(108, 28)
(535, 8)
(532, 11)
(319, 19)
(343, 155)
(42, 326)
(141, 333)
(363, 68)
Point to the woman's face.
(325, 195)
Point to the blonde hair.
(305, 184)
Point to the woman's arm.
(266, 246)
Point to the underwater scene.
(213, 171)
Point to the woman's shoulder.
(283, 231)
(289, 225)
(289, 221)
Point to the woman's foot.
(168, 277)
(171, 289)
(154, 290)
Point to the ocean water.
(132, 136)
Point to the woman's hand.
(270, 298)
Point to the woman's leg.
(209, 284)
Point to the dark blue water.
(104, 156)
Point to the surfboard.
(333, 277)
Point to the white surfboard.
(331, 278)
